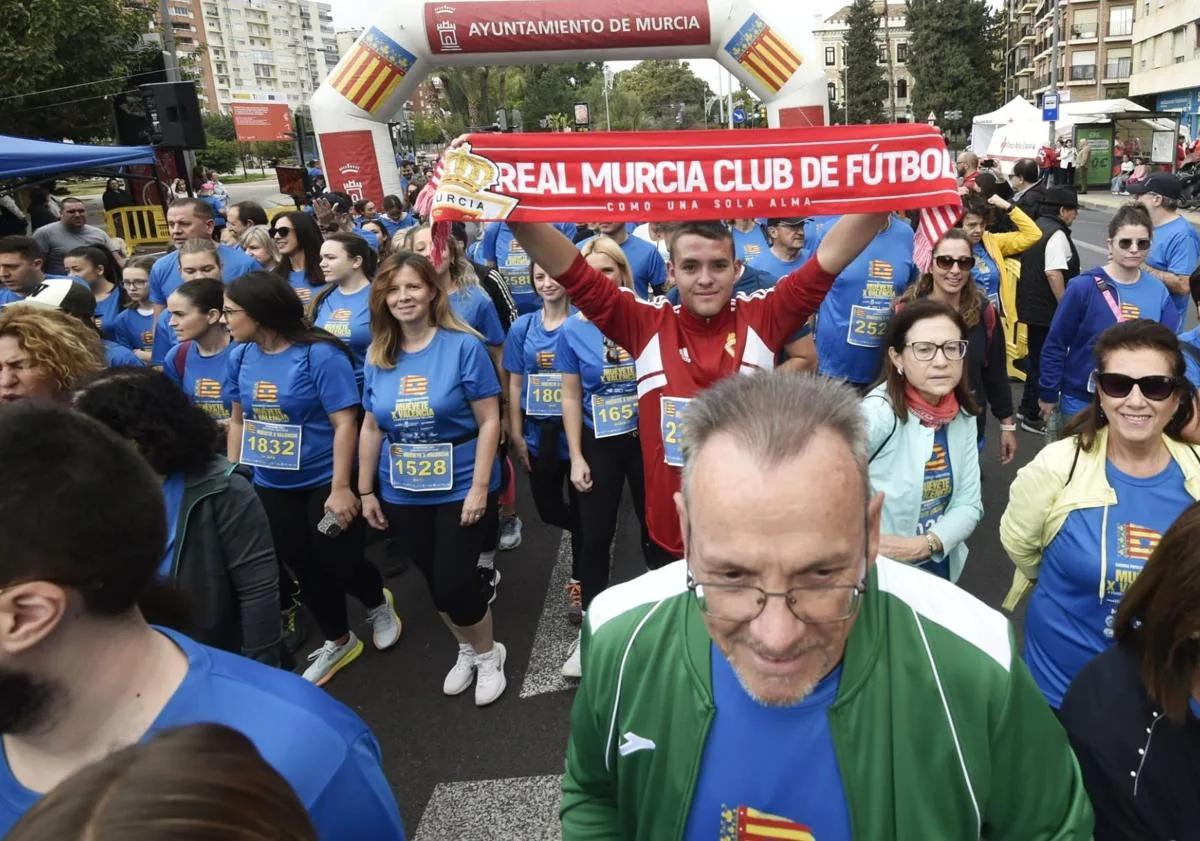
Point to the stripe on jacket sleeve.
(653, 586)
(956, 610)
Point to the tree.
(671, 95)
(953, 60)
(866, 81)
(221, 155)
(90, 45)
(219, 127)
(553, 89)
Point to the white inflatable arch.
(412, 38)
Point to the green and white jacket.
(939, 730)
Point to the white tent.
(985, 125)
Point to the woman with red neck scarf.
(921, 434)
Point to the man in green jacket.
(782, 682)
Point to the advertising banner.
(265, 121)
(350, 165)
(511, 26)
(1099, 139)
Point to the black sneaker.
(1035, 425)
(295, 629)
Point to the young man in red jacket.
(711, 334)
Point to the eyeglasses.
(281, 232)
(1127, 244)
(1156, 387)
(954, 351)
(133, 284)
(945, 261)
(812, 605)
(228, 312)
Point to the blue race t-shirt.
(1082, 581)
(349, 318)
(986, 274)
(854, 316)
(646, 264)
(423, 407)
(501, 248)
(392, 226)
(774, 267)
(335, 769)
(1192, 357)
(173, 500)
(768, 771)
(134, 329)
(165, 276)
(936, 490)
(532, 351)
(815, 228)
(119, 356)
(607, 377)
(164, 338)
(287, 398)
(1147, 297)
(203, 377)
(747, 245)
(1175, 248)
(477, 310)
(105, 315)
(217, 204)
(298, 280)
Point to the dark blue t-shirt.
(105, 315)
(532, 351)
(423, 407)
(287, 398)
(1082, 579)
(768, 772)
(165, 276)
(119, 356)
(335, 769)
(134, 329)
(607, 377)
(203, 377)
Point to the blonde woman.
(43, 352)
(428, 471)
(600, 417)
(259, 244)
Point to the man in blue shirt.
(786, 253)
(192, 219)
(645, 263)
(749, 239)
(82, 673)
(1175, 246)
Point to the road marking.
(512, 809)
(552, 641)
(1091, 247)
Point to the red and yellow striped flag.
(372, 70)
(764, 53)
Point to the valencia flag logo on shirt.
(746, 824)
(414, 385)
(209, 389)
(265, 392)
(545, 359)
(1134, 541)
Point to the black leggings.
(447, 553)
(614, 462)
(556, 510)
(328, 568)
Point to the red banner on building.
(266, 121)
(509, 26)
(350, 165)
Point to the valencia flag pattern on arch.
(764, 53)
(372, 70)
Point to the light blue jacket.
(897, 469)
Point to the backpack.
(181, 354)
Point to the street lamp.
(608, 85)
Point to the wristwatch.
(935, 545)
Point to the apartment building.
(1095, 58)
(187, 28)
(1166, 58)
(892, 43)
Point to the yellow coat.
(1003, 249)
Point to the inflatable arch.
(410, 39)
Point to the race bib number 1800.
(422, 467)
(867, 326)
(673, 409)
(543, 395)
(275, 446)
(614, 415)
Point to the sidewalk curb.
(1089, 203)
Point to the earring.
(900, 372)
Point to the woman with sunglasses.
(198, 363)
(428, 471)
(343, 307)
(1086, 513)
(949, 281)
(294, 419)
(134, 326)
(97, 268)
(259, 244)
(921, 440)
(600, 417)
(299, 239)
(1120, 290)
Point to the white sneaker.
(490, 682)
(385, 624)
(510, 533)
(458, 679)
(331, 658)
(573, 668)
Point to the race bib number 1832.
(275, 446)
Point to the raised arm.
(847, 239)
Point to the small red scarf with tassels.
(935, 416)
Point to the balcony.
(1121, 29)
(1119, 70)
(1081, 73)
(1025, 33)
(1084, 32)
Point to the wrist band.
(1012, 427)
(366, 493)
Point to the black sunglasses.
(281, 232)
(1157, 387)
(945, 261)
(1127, 244)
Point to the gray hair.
(774, 416)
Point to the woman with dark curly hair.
(219, 551)
(43, 352)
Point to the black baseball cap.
(1165, 184)
(1060, 197)
(788, 221)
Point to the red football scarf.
(671, 176)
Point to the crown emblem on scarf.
(465, 169)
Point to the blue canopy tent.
(23, 157)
